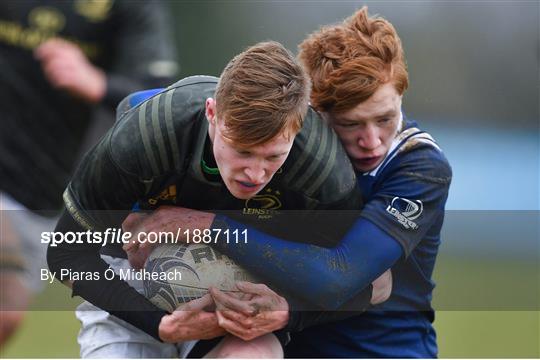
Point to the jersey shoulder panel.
(318, 166)
(196, 80)
(418, 155)
(156, 136)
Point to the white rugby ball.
(182, 273)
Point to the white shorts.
(105, 336)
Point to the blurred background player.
(59, 62)
(13, 292)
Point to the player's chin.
(366, 165)
(243, 195)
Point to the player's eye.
(347, 125)
(384, 120)
(274, 157)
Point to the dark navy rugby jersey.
(405, 196)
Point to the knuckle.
(248, 323)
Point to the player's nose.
(256, 173)
(369, 138)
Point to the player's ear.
(210, 107)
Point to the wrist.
(284, 319)
(220, 222)
(98, 89)
(292, 321)
(208, 219)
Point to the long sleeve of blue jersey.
(405, 204)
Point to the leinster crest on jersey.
(405, 211)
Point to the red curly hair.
(348, 62)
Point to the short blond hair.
(262, 93)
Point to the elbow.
(338, 291)
(382, 288)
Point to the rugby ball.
(179, 273)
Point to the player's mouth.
(247, 186)
(368, 162)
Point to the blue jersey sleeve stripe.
(140, 96)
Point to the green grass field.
(470, 333)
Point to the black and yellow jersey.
(42, 127)
(152, 157)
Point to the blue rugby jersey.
(405, 196)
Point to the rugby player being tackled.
(215, 144)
